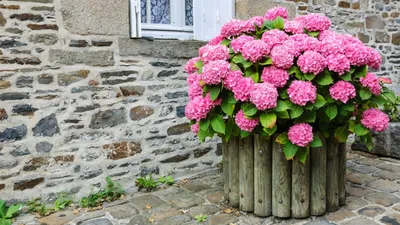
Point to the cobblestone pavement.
(373, 192)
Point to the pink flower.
(242, 89)
(342, 91)
(316, 22)
(338, 63)
(301, 92)
(311, 62)
(301, 134)
(273, 13)
(210, 53)
(281, 57)
(245, 123)
(375, 120)
(217, 40)
(274, 37)
(258, 20)
(327, 34)
(199, 107)
(349, 39)
(275, 76)
(195, 88)
(292, 47)
(330, 46)
(255, 50)
(189, 67)
(371, 81)
(195, 128)
(233, 28)
(232, 79)
(357, 54)
(375, 59)
(264, 96)
(214, 71)
(294, 27)
(305, 42)
(237, 43)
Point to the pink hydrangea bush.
(293, 80)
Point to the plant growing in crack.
(8, 213)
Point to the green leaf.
(281, 106)
(296, 111)
(13, 209)
(319, 101)
(308, 116)
(361, 71)
(228, 130)
(283, 94)
(218, 124)
(295, 70)
(324, 78)
(380, 100)
(250, 72)
(302, 154)
(2, 208)
(365, 94)
(270, 131)
(204, 124)
(278, 23)
(283, 115)
(214, 92)
(309, 76)
(316, 142)
(199, 65)
(238, 59)
(390, 95)
(227, 106)
(244, 133)
(360, 130)
(341, 134)
(249, 109)
(346, 76)
(5, 221)
(268, 61)
(234, 66)
(268, 120)
(313, 33)
(225, 42)
(331, 111)
(348, 107)
(352, 125)
(282, 138)
(290, 150)
(268, 25)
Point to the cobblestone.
(370, 201)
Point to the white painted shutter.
(209, 16)
(135, 18)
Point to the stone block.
(91, 58)
(3, 114)
(47, 126)
(121, 150)
(396, 38)
(170, 48)
(43, 26)
(381, 198)
(27, 16)
(88, 17)
(47, 39)
(28, 183)
(5, 84)
(178, 129)
(108, 118)
(14, 133)
(141, 112)
(3, 20)
(246, 9)
(374, 22)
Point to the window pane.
(189, 12)
(160, 11)
(143, 10)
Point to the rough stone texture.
(47, 39)
(91, 58)
(141, 112)
(47, 126)
(122, 150)
(108, 118)
(3, 114)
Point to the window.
(179, 19)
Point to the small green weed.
(8, 213)
(166, 180)
(150, 183)
(200, 218)
(37, 206)
(111, 192)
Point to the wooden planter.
(259, 179)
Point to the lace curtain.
(160, 11)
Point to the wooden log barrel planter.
(259, 178)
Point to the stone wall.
(80, 101)
(374, 22)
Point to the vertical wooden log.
(225, 168)
(318, 178)
(246, 174)
(233, 171)
(281, 182)
(262, 176)
(332, 175)
(342, 174)
(301, 188)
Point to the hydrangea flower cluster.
(286, 79)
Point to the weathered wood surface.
(233, 146)
(301, 188)
(332, 175)
(281, 182)
(342, 174)
(225, 168)
(262, 176)
(246, 174)
(318, 178)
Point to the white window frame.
(178, 28)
